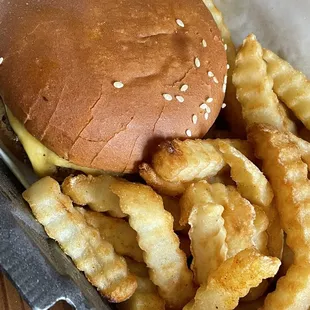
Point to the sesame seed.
(194, 119)
(223, 105)
(197, 62)
(209, 100)
(184, 88)
(208, 110)
(179, 98)
(215, 80)
(167, 97)
(204, 43)
(225, 79)
(225, 47)
(206, 116)
(118, 84)
(203, 106)
(188, 132)
(210, 74)
(180, 23)
(1, 60)
(228, 66)
(224, 88)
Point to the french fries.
(233, 280)
(254, 91)
(304, 148)
(233, 112)
(238, 213)
(154, 226)
(185, 161)
(82, 242)
(207, 235)
(159, 184)
(288, 175)
(292, 292)
(116, 231)
(94, 192)
(146, 296)
(290, 85)
(251, 182)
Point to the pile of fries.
(221, 224)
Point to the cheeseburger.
(96, 85)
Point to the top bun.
(101, 82)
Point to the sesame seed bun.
(101, 83)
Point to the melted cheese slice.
(43, 160)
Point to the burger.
(96, 85)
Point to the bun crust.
(61, 59)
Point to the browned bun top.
(61, 59)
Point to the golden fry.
(185, 161)
(291, 85)
(304, 148)
(287, 260)
(154, 226)
(82, 242)
(292, 291)
(207, 235)
(251, 182)
(94, 192)
(254, 88)
(146, 296)
(233, 112)
(233, 280)
(159, 184)
(238, 213)
(288, 175)
(116, 231)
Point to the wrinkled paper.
(280, 25)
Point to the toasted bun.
(61, 59)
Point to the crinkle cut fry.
(288, 175)
(207, 232)
(154, 226)
(254, 91)
(82, 242)
(291, 85)
(116, 231)
(233, 280)
(94, 192)
(159, 184)
(191, 160)
(251, 182)
(233, 112)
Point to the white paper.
(280, 25)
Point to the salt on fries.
(82, 242)
(146, 296)
(292, 86)
(288, 175)
(116, 231)
(254, 91)
(154, 226)
(233, 280)
(233, 111)
(207, 235)
(94, 192)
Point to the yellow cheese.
(43, 160)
